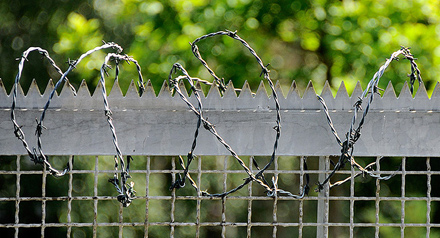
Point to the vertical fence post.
(322, 208)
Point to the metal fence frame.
(391, 121)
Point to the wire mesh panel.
(83, 203)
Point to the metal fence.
(154, 130)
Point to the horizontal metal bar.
(247, 198)
(237, 171)
(163, 132)
(229, 224)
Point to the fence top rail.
(293, 99)
(151, 124)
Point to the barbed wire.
(265, 72)
(259, 177)
(18, 132)
(353, 135)
(72, 66)
(126, 191)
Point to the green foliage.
(303, 40)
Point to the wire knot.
(71, 63)
(39, 129)
(264, 70)
(232, 34)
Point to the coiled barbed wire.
(265, 72)
(180, 182)
(18, 132)
(221, 85)
(72, 65)
(126, 191)
(353, 135)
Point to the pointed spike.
(293, 90)
(33, 89)
(183, 88)
(293, 99)
(326, 91)
(66, 98)
(421, 92)
(49, 88)
(388, 101)
(405, 99)
(98, 90)
(66, 89)
(327, 95)
(230, 90)
(2, 87)
(357, 91)
(261, 99)
(213, 92)
(245, 99)
(342, 91)
(389, 91)
(279, 90)
(421, 100)
(4, 98)
(149, 90)
(84, 100)
(261, 89)
(20, 91)
(132, 91)
(309, 100)
(436, 92)
(211, 101)
(83, 90)
(405, 91)
(116, 90)
(199, 88)
(435, 97)
(245, 90)
(342, 100)
(165, 90)
(310, 90)
(293, 96)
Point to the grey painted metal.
(162, 125)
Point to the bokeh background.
(302, 40)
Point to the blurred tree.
(303, 40)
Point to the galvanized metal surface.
(162, 125)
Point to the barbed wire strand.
(72, 65)
(369, 167)
(18, 132)
(354, 134)
(180, 182)
(175, 85)
(265, 73)
(126, 191)
(37, 155)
